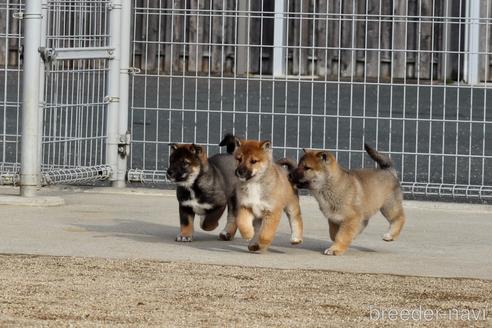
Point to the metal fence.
(409, 77)
(10, 89)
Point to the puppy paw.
(388, 237)
(254, 247)
(226, 236)
(247, 235)
(208, 226)
(334, 252)
(295, 241)
(184, 239)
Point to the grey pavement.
(443, 240)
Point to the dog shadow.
(148, 232)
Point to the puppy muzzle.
(170, 174)
(176, 175)
(298, 179)
(243, 174)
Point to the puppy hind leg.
(210, 220)
(230, 229)
(396, 217)
(257, 223)
(293, 211)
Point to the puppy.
(348, 198)
(264, 190)
(205, 186)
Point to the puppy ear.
(266, 145)
(237, 141)
(173, 146)
(229, 140)
(324, 156)
(197, 149)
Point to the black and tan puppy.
(348, 198)
(205, 186)
(264, 191)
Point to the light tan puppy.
(348, 198)
(264, 191)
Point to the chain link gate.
(75, 73)
(76, 53)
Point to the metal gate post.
(472, 43)
(30, 163)
(113, 98)
(279, 39)
(124, 136)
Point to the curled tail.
(288, 163)
(383, 161)
(229, 140)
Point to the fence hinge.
(9, 179)
(134, 70)
(18, 15)
(112, 5)
(47, 54)
(111, 99)
(124, 144)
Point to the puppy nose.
(169, 173)
(240, 172)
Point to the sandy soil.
(60, 291)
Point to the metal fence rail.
(437, 130)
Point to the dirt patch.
(61, 291)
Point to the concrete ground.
(439, 240)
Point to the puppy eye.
(253, 161)
(306, 168)
(239, 159)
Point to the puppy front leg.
(244, 221)
(186, 218)
(344, 236)
(266, 233)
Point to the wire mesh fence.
(389, 73)
(411, 78)
(10, 84)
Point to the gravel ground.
(62, 291)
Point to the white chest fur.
(198, 208)
(251, 196)
(327, 208)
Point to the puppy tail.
(229, 141)
(288, 163)
(383, 161)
